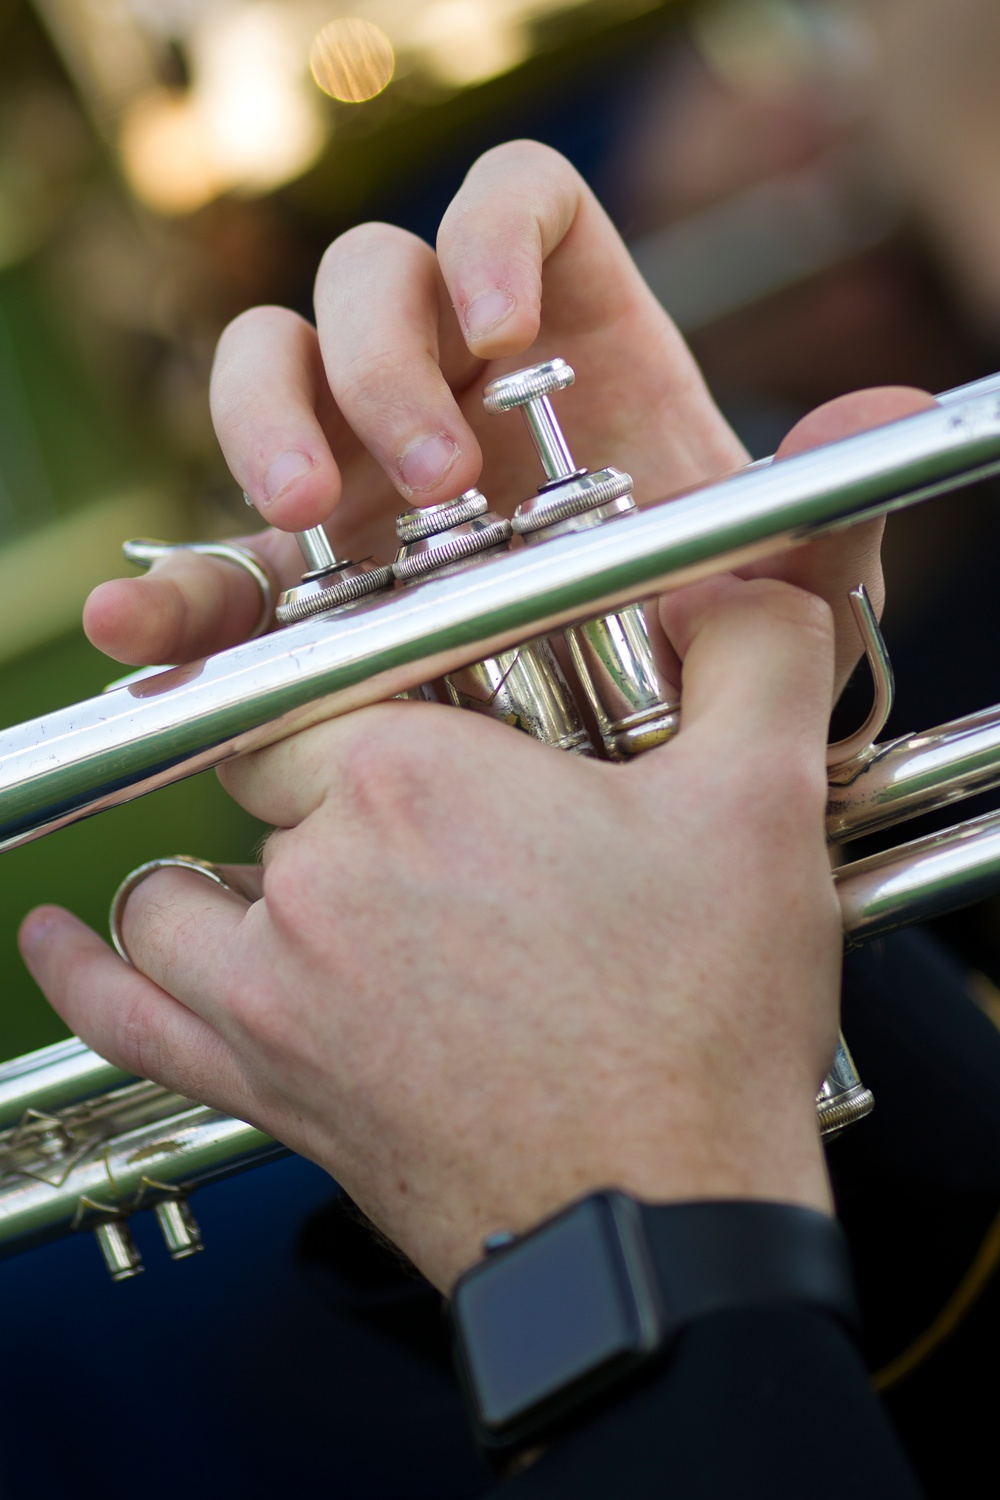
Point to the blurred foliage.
(63, 442)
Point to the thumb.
(757, 661)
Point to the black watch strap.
(558, 1316)
(710, 1256)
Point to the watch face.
(557, 1314)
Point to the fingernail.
(36, 929)
(283, 473)
(427, 462)
(486, 311)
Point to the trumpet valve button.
(527, 385)
(530, 389)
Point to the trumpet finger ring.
(144, 553)
(139, 874)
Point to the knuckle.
(373, 377)
(387, 768)
(285, 887)
(247, 329)
(807, 612)
(523, 154)
(242, 356)
(158, 930)
(803, 788)
(524, 175)
(363, 245)
(138, 1043)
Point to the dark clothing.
(303, 1361)
(750, 1403)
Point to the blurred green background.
(64, 448)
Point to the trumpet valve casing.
(335, 586)
(524, 687)
(612, 654)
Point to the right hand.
(380, 404)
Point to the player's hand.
(379, 405)
(482, 979)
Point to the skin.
(475, 979)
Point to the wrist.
(594, 1297)
(783, 1163)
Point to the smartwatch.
(555, 1318)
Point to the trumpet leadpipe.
(98, 754)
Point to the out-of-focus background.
(811, 186)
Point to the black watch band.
(551, 1320)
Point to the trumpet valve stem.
(530, 390)
(314, 544)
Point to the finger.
(757, 673)
(362, 761)
(524, 212)
(834, 566)
(124, 1016)
(858, 411)
(267, 391)
(180, 930)
(379, 305)
(188, 605)
(518, 205)
(246, 880)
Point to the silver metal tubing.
(989, 385)
(920, 880)
(75, 761)
(142, 1145)
(53, 1078)
(916, 774)
(50, 1187)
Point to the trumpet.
(82, 1145)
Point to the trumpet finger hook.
(843, 754)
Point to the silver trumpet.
(83, 1146)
